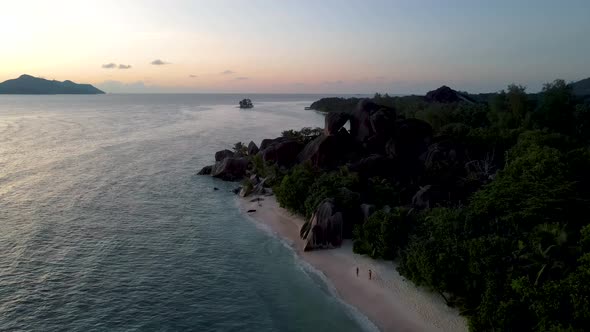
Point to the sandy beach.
(388, 300)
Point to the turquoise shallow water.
(105, 227)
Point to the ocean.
(105, 226)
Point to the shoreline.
(389, 301)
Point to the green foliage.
(304, 135)
(291, 193)
(507, 256)
(240, 149)
(555, 111)
(381, 192)
(329, 185)
(532, 188)
(510, 109)
(268, 170)
(383, 233)
(582, 121)
(513, 250)
(435, 254)
(439, 115)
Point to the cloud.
(159, 62)
(193, 76)
(113, 65)
(227, 72)
(242, 78)
(380, 77)
(333, 82)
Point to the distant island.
(29, 85)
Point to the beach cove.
(390, 301)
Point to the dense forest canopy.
(496, 220)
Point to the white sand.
(388, 300)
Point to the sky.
(299, 46)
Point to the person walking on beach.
(357, 271)
(370, 274)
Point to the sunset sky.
(322, 46)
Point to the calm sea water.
(104, 225)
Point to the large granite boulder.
(383, 122)
(324, 229)
(334, 121)
(374, 165)
(220, 155)
(252, 149)
(270, 141)
(282, 152)
(373, 125)
(205, 170)
(360, 120)
(326, 151)
(231, 169)
(366, 211)
(421, 199)
(412, 137)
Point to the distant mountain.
(30, 85)
(582, 88)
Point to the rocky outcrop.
(231, 169)
(220, 155)
(366, 211)
(421, 199)
(334, 121)
(373, 166)
(252, 149)
(383, 122)
(360, 120)
(429, 196)
(412, 137)
(282, 152)
(326, 152)
(372, 125)
(205, 170)
(324, 229)
(270, 141)
(444, 94)
(246, 103)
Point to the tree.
(555, 111)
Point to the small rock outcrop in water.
(324, 229)
(231, 169)
(246, 103)
(220, 155)
(205, 170)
